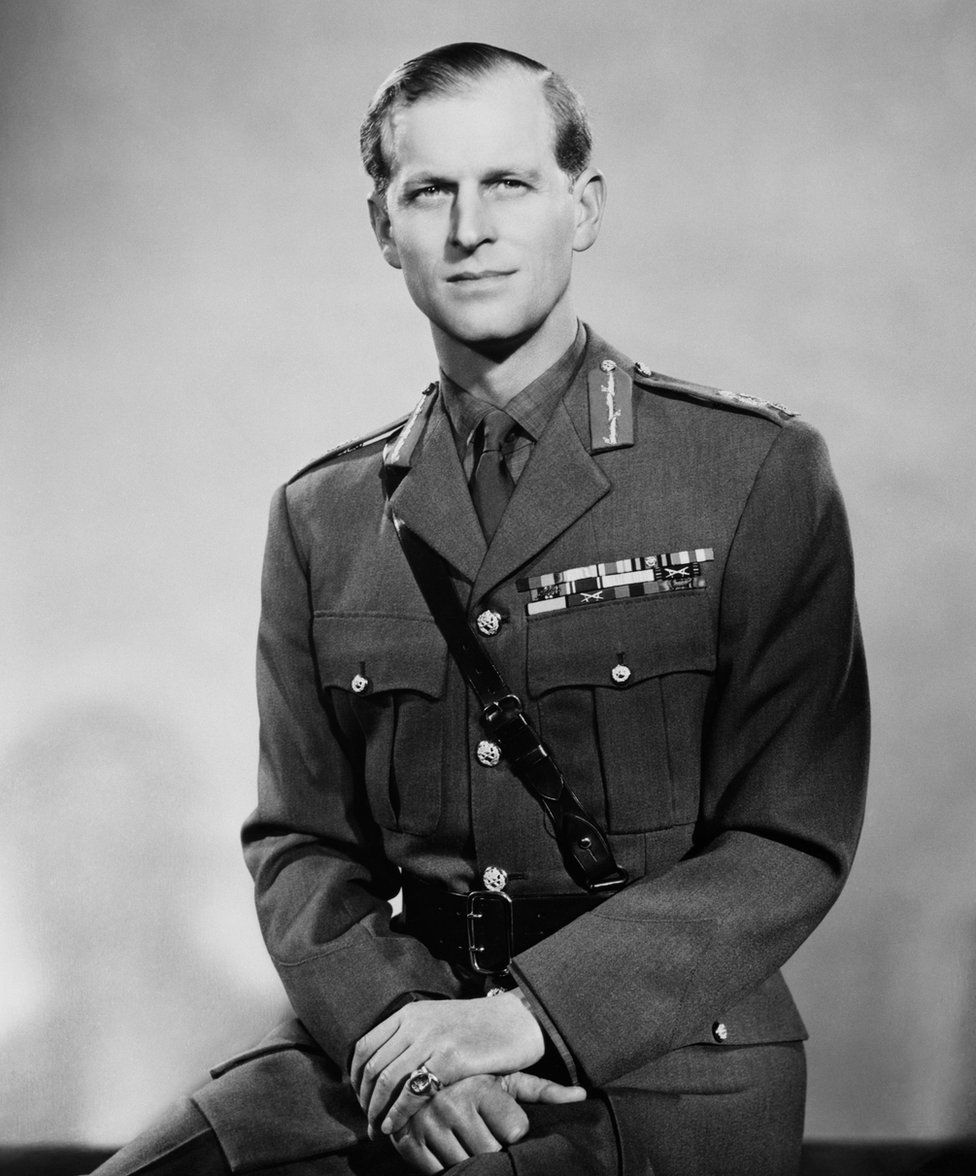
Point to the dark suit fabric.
(707, 1110)
(728, 769)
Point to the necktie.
(491, 482)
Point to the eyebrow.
(520, 173)
(422, 178)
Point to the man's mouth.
(479, 275)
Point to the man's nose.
(472, 222)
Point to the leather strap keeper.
(484, 930)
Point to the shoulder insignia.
(706, 395)
(611, 407)
(400, 452)
(384, 434)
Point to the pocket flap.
(288, 1034)
(640, 638)
(389, 652)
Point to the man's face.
(478, 215)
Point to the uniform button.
(620, 673)
(494, 878)
(720, 1031)
(607, 365)
(359, 684)
(489, 622)
(488, 753)
(495, 991)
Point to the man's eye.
(428, 192)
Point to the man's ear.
(590, 195)
(380, 220)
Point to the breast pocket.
(388, 676)
(621, 691)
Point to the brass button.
(489, 622)
(720, 1031)
(488, 753)
(620, 673)
(494, 878)
(607, 365)
(359, 684)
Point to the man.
(661, 573)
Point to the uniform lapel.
(433, 499)
(559, 485)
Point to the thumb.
(528, 1088)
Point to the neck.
(497, 372)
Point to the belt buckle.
(489, 926)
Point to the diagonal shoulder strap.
(584, 847)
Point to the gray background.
(193, 307)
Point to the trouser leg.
(180, 1144)
(699, 1111)
(183, 1143)
(714, 1111)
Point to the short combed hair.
(452, 68)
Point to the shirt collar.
(530, 409)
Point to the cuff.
(557, 1062)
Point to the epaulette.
(383, 434)
(706, 395)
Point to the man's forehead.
(505, 114)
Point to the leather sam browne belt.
(584, 846)
(482, 931)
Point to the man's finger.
(377, 1069)
(503, 1117)
(368, 1044)
(406, 1104)
(392, 1103)
(446, 1147)
(431, 1148)
(402, 1110)
(529, 1088)
(468, 1123)
(416, 1155)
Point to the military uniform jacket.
(727, 764)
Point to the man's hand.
(455, 1039)
(475, 1116)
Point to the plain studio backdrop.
(193, 307)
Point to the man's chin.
(493, 341)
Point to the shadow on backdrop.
(108, 874)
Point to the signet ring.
(423, 1083)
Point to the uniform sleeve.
(782, 793)
(322, 882)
